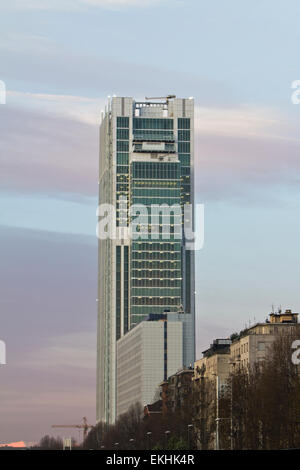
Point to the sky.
(59, 61)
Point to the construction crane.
(85, 426)
(167, 98)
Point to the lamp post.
(148, 439)
(166, 437)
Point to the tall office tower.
(146, 157)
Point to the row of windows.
(156, 273)
(135, 319)
(122, 188)
(122, 158)
(151, 200)
(154, 264)
(152, 123)
(184, 135)
(156, 282)
(155, 170)
(122, 146)
(184, 147)
(156, 292)
(118, 292)
(138, 234)
(123, 169)
(142, 312)
(185, 159)
(123, 134)
(183, 123)
(187, 279)
(122, 178)
(185, 170)
(126, 285)
(156, 246)
(156, 300)
(161, 135)
(122, 121)
(172, 192)
(163, 255)
(155, 183)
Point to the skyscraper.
(146, 158)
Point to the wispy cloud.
(240, 121)
(78, 108)
(52, 140)
(242, 149)
(47, 153)
(72, 350)
(61, 5)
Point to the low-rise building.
(146, 356)
(176, 390)
(252, 344)
(215, 361)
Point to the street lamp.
(149, 433)
(166, 437)
(189, 427)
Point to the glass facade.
(184, 148)
(122, 173)
(118, 292)
(146, 158)
(155, 265)
(156, 269)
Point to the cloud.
(31, 62)
(123, 3)
(14, 444)
(78, 108)
(69, 5)
(50, 145)
(244, 149)
(46, 153)
(76, 350)
(239, 121)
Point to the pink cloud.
(14, 444)
(236, 150)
